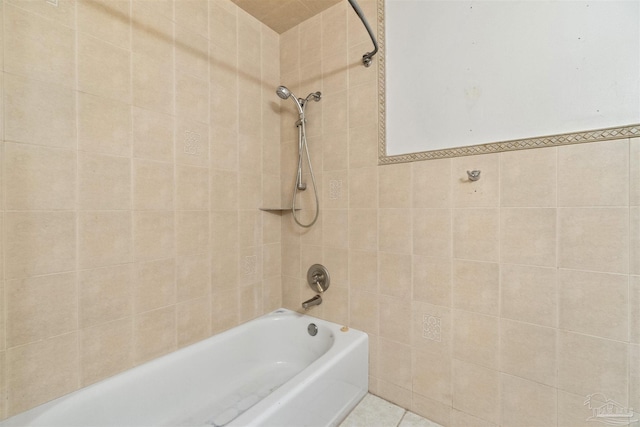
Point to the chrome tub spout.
(317, 300)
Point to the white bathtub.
(266, 372)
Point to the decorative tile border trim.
(596, 135)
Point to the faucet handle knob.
(318, 278)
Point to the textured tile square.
(40, 307)
(475, 338)
(104, 125)
(432, 280)
(54, 361)
(591, 303)
(39, 48)
(103, 69)
(526, 403)
(607, 185)
(594, 239)
(39, 113)
(152, 135)
(580, 356)
(432, 232)
(528, 178)
(104, 295)
(39, 243)
(476, 286)
(154, 285)
(476, 390)
(115, 338)
(106, 19)
(529, 294)
(528, 236)
(428, 190)
(528, 351)
(104, 238)
(39, 178)
(154, 334)
(94, 170)
(476, 234)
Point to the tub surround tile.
(154, 285)
(54, 361)
(476, 338)
(427, 188)
(114, 338)
(581, 355)
(432, 280)
(634, 172)
(96, 17)
(94, 170)
(40, 113)
(528, 178)
(152, 30)
(432, 232)
(431, 376)
(37, 47)
(595, 239)
(476, 234)
(476, 390)
(394, 271)
(104, 125)
(39, 178)
(394, 184)
(194, 321)
(39, 243)
(103, 69)
(483, 193)
(476, 286)
(154, 334)
(105, 294)
(528, 351)
(591, 303)
(104, 238)
(394, 230)
(40, 307)
(152, 135)
(522, 402)
(606, 186)
(528, 236)
(395, 319)
(528, 294)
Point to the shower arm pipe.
(366, 58)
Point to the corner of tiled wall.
(486, 303)
(140, 139)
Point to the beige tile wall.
(504, 301)
(139, 140)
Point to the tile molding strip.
(596, 135)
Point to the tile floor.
(373, 411)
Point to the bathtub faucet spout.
(317, 300)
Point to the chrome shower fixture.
(284, 93)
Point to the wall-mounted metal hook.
(473, 175)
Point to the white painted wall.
(471, 72)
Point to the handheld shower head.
(285, 93)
